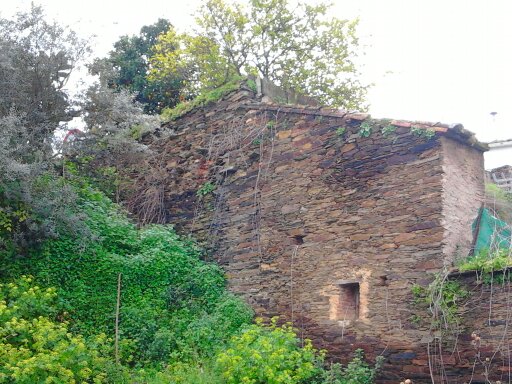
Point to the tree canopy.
(299, 48)
(37, 57)
(126, 68)
(36, 60)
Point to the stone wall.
(463, 194)
(482, 351)
(319, 224)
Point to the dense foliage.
(174, 306)
(296, 46)
(357, 371)
(110, 149)
(35, 203)
(272, 354)
(261, 355)
(126, 67)
(36, 60)
(35, 348)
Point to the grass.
(171, 114)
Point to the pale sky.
(435, 60)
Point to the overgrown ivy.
(174, 305)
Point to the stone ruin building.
(328, 219)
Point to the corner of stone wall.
(463, 194)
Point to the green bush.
(357, 371)
(274, 355)
(269, 355)
(36, 349)
(208, 97)
(487, 262)
(173, 304)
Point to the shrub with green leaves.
(34, 348)
(487, 262)
(174, 306)
(274, 355)
(269, 355)
(357, 371)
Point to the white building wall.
(499, 154)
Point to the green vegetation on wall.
(426, 133)
(169, 114)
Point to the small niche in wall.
(348, 305)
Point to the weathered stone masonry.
(324, 227)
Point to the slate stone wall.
(321, 225)
(481, 351)
(463, 178)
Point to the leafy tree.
(127, 66)
(198, 60)
(299, 48)
(36, 60)
(110, 146)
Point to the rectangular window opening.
(348, 308)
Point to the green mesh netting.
(492, 232)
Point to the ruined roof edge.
(295, 103)
(455, 132)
